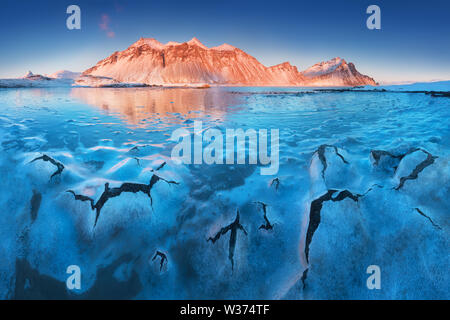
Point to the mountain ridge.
(154, 63)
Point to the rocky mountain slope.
(151, 62)
(336, 72)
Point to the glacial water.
(396, 217)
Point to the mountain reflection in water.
(135, 105)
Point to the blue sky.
(412, 45)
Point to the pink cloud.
(105, 25)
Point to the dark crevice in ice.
(109, 193)
(81, 197)
(59, 165)
(314, 214)
(423, 214)
(304, 276)
(163, 258)
(232, 227)
(136, 148)
(316, 207)
(152, 170)
(314, 218)
(321, 154)
(35, 204)
(275, 183)
(267, 225)
(377, 154)
(159, 168)
(419, 168)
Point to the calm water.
(92, 132)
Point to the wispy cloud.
(105, 25)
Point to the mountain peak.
(155, 44)
(28, 74)
(151, 42)
(324, 67)
(337, 59)
(195, 42)
(224, 47)
(336, 72)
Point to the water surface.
(93, 132)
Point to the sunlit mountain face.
(151, 62)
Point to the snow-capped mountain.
(31, 80)
(28, 74)
(336, 72)
(34, 77)
(151, 62)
